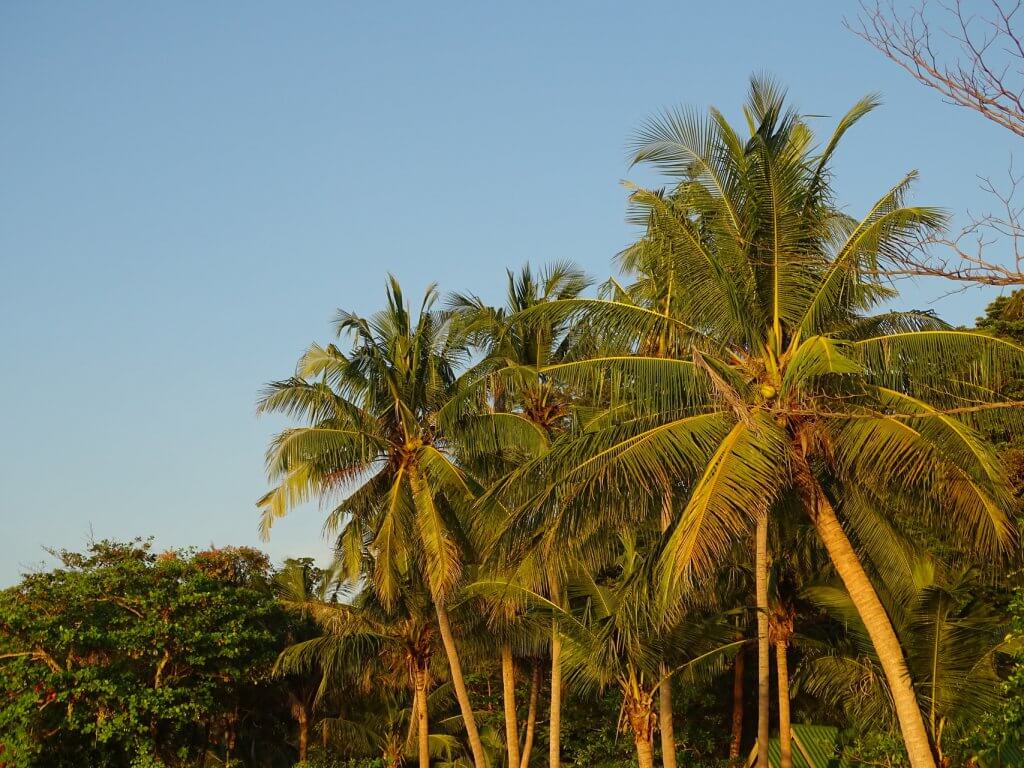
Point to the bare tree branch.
(975, 60)
(987, 72)
(962, 255)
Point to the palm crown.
(375, 439)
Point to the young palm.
(778, 380)
(373, 443)
(386, 648)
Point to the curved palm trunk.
(737, 707)
(531, 716)
(459, 684)
(668, 737)
(785, 733)
(872, 613)
(555, 722)
(763, 654)
(508, 680)
(422, 725)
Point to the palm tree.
(516, 414)
(380, 726)
(373, 442)
(384, 648)
(521, 635)
(952, 642)
(778, 380)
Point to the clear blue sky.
(188, 191)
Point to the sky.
(189, 191)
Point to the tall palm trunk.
(763, 654)
(872, 613)
(508, 680)
(737, 707)
(668, 736)
(531, 716)
(422, 726)
(555, 722)
(785, 734)
(459, 684)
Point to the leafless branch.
(975, 60)
(963, 255)
(986, 71)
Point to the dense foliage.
(124, 657)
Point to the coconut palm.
(373, 445)
(654, 287)
(520, 634)
(797, 558)
(778, 380)
(952, 642)
(513, 414)
(381, 726)
(361, 640)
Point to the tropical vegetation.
(670, 518)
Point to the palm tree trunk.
(665, 692)
(303, 718)
(763, 654)
(737, 706)
(872, 613)
(300, 712)
(531, 716)
(668, 737)
(555, 722)
(508, 680)
(459, 684)
(422, 726)
(639, 708)
(644, 752)
(785, 733)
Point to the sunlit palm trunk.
(508, 680)
(459, 684)
(668, 737)
(763, 652)
(737, 707)
(876, 620)
(555, 739)
(785, 735)
(531, 716)
(422, 725)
